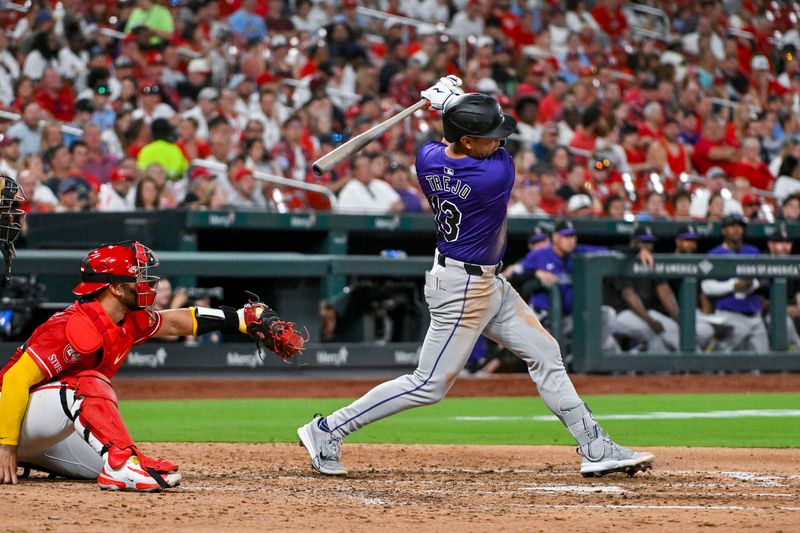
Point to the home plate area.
(252, 487)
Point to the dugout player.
(58, 410)
(467, 180)
(553, 265)
(704, 325)
(737, 299)
(647, 310)
(780, 245)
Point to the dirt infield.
(260, 487)
(263, 487)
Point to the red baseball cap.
(749, 199)
(201, 172)
(242, 172)
(155, 58)
(121, 173)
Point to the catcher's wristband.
(206, 320)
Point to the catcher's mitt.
(269, 331)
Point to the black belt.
(472, 270)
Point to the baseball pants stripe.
(427, 379)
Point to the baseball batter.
(58, 410)
(467, 181)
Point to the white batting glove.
(444, 89)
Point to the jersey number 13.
(447, 217)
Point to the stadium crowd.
(107, 105)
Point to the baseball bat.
(339, 154)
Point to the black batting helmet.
(476, 115)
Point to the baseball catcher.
(58, 409)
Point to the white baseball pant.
(462, 307)
(629, 324)
(747, 333)
(48, 439)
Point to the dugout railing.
(301, 280)
(590, 272)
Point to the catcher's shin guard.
(97, 419)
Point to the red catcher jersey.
(49, 347)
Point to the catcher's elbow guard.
(206, 320)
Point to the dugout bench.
(591, 270)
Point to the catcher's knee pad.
(97, 419)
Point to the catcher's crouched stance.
(58, 410)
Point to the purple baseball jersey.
(469, 199)
(752, 303)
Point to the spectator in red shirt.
(56, 97)
(585, 137)
(608, 15)
(668, 154)
(634, 147)
(751, 207)
(24, 91)
(762, 85)
(405, 86)
(293, 160)
(550, 202)
(752, 167)
(652, 127)
(550, 105)
(713, 149)
(191, 146)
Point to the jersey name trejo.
(469, 200)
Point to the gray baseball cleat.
(324, 448)
(603, 456)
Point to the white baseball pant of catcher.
(462, 307)
(49, 440)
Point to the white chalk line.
(655, 415)
(606, 489)
(671, 507)
(762, 480)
